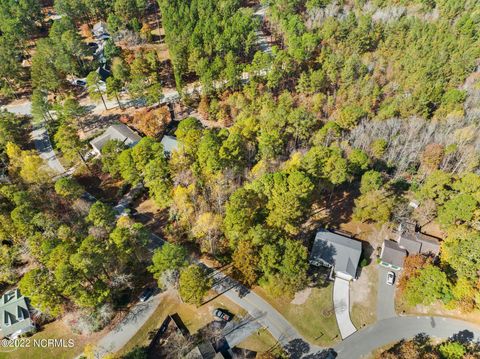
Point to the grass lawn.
(55, 330)
(259, 342)
(194, 318)
(315, 319)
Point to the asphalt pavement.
(385, 294)
(386, 331)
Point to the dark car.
(81, 83)
(93, 45)
(147, 293)
(222, 314)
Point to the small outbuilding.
(119, 132)
(338, 252)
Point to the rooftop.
(14, 314)
(343, 253)
(393, 254)
(119, 132)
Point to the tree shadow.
(465, 336)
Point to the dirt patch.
(363, 297)
(302, 296)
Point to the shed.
(119, 132)
(338, 252)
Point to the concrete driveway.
(385, 294)
(341, 303)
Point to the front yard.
(194, 319)
(314, 319)
(55, 330)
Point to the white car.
(390, 278)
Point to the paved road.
(392, 330)
(39, 136)
(385, 295)
(128, 327)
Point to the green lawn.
(194, 318)
(55, 330)
(315, 319)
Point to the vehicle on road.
(390, 278)
(147, 293)
(222, 314)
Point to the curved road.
(395, 329)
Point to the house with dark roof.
(338, 252)
(392, 255)
(14, 315)
(409, 242)
(119, 132)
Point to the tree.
(194, 284)
(114, 86)
(68, 187)
(374, 206)
(67, 140)
(110, 152)
(358, 161)
(452, 350)
(38, 285)
(245, 260)
(167, 257)
(349, 116)
(371, 181)
(94, 83)
(33, 168)
(458, 208)
(430, 284)
(101, 215)
(461, 250)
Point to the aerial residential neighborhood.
(265, 179)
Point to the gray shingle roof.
(169, 143)
(392, 253)
(118, 132)
(333, 249)
(14, 314)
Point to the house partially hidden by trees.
(169, 143)
(409, 242)
(14, 315)
(119, 132)
(338, 252)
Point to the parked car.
(147, 293)
(222, 314)
(92, 45)
(390, 278)
(81, 83)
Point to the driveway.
(341, 303)
(128, 327)
(363, 342)
(385, 295)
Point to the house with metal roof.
(119, 132)
(338, 252)
(14, 315)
